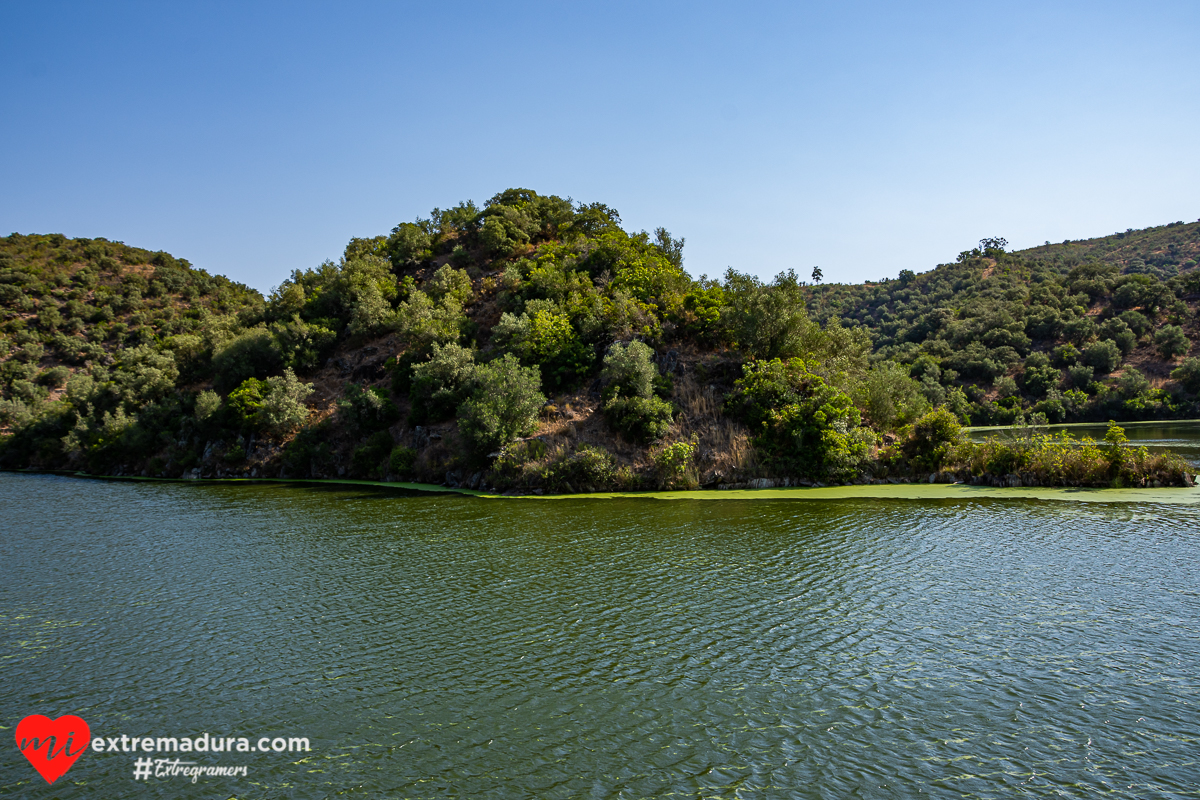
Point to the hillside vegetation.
(533, 344)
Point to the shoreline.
(906, 491)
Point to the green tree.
(503, 407)
(1170, 341)
(442, 383)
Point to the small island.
(533, 345)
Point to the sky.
(861, 137)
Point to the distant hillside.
(534, 344)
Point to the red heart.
(49, 744)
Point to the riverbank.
(1189, 496)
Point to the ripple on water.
(445, 646)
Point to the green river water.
(981, 645)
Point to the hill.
(534, 344)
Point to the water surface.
(445, 646)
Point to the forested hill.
(1073, 330)
(534, 343)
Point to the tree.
(671, 248)
(817, 275)
(504, 405)
(1188, 375)
(283, 409)
(1171, 341)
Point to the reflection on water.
(1183, 437)
(452, 647)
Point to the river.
(435, 646)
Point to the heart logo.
(52, 745)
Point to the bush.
(642, 419)
(401, 461)
(367, 410)
(1104, 355)
(587, 469)
(369, 459)
(450, 282)
(252, 354)
(545, 339)
(932, 440)
(440, 385)
(674, 466)
(207, 404)
(246, 400)
(629, 370)
(1170, 341)
(802, 424)
(503, 406)
(1081, 376)
(890, 397)
(1188, 375)
(1039, 376)
(282, 409)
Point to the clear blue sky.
(255, 138)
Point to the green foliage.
(367, 409)
(423, 323)
(629, 370)
(642, 419)
(801, 423)
(890, 398)
(586, 469)
(1170, 341)
(208, 403)
(1104, 356)
(1188, 375)
(441, 384)
(254, 353)
(503, 407)
(407, 245)
(401, 461)
(282, 409)
(674, 465)
(372, 457)
(450, 282)
(1039, 377)
(932, 440)
(547, 340)
(246, 400)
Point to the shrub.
(207, 404)
(1039, 377)
(450, 282)
(282, 409)
(439, 385)
(674, 466)
(54, 377)
(802, 424)
(629, 370)
(401, 461)
(367, 410)
(932, 440)
(546, 340)
(1119, 332)
(1170, 341)
(251, 354)
(1081, 375)
(1188, 375)
(890, 397)
(1104, 355)
(586, 469)
(370, 458)
(246, 400)
(642, 419)
(503, 406)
